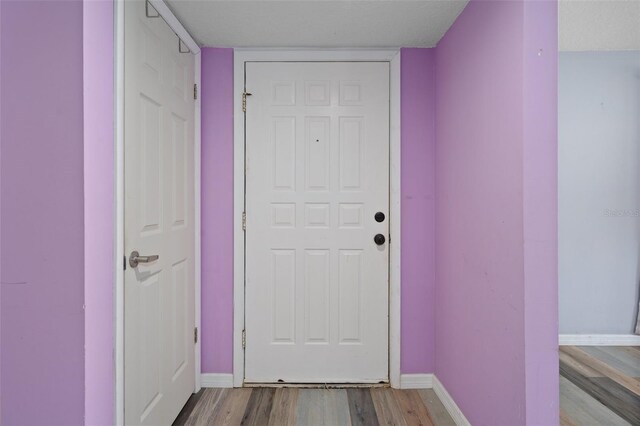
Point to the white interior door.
(159, 220)
(317, 172)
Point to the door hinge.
(244, 101)
(244, 339)
(244, 221)
(195, 335)
(195, 91)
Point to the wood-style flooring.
(298, 406)
(599, 385)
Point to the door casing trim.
(291, 55)
(118, 312)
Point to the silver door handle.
(135, 258)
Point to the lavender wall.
(418, 272)
(494, 180)
(217, 210)
(496, 280)
(479, 295)
(99, 217)
(418, 210)
(42, 246)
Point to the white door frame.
(119, 44)
(277, 55)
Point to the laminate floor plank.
(436, 408)
(629, 359)
(622, 402)
(208, 405)
(414, 411)
(620, 358)
(188, 408)
(615, 397)
(565, 420)
(630, 383)
(310, 409)
(582, 369)
(387, 408)
(258, 408)
(317, 407)
(232, 409)
(361, 408)
(336, 405)
(578, 408)
(631, 351)
(283, 411)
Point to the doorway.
(317, 222)
(159, 124)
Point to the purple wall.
(99, 215)
(42, 247)
(418, 210)
(418, 272)
(493, 172)
(217, 210)
(495, 139)
(479, 295)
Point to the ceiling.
(599, 25)
(317, 23)
(584, 25)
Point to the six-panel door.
(159, 371)
(317, 172)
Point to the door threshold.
(316, 385)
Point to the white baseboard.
(448, 402)
(416, 381)
(216, 380)
(599, 340)
(430, 381)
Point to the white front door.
(317, 173)
(159, 220)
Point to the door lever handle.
(135, 258)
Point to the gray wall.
(599, 191)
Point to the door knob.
(379, 217)
(379, 239)
(135, 258)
